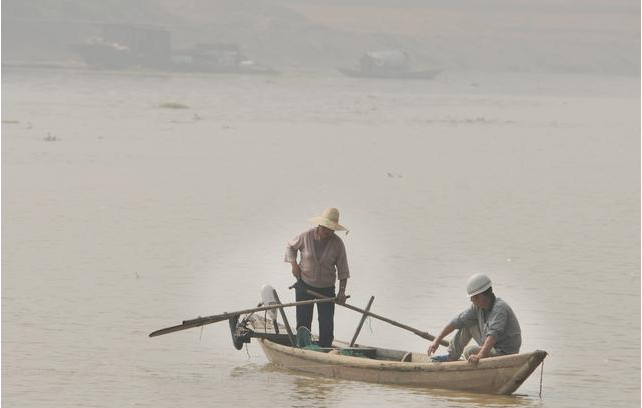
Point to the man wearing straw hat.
(323, 260)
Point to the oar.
(202, 321)
(419, 333)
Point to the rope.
(265, 322)
(541, 379)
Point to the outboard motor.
(240, 333)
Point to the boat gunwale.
(513, 361)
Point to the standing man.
(489, 321)
(323, 260)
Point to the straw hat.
(329, 219)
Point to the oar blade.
(189, 324)
(202, 321)
(168, 330)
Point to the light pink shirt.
(319, 270)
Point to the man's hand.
(445, 332)
(296, 270)
(341, 297)
(474, 358)
(433, 347)
(484, 351)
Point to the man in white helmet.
(489, 321)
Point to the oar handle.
(419, 333)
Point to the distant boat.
(125, 46)
(387, 64)
(216, 58)
(102, 54)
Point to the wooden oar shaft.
(363, 320)
(202, 321)
(285, 320)
(419, 333)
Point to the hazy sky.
(600, 37)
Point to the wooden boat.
(493, 375)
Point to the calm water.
(132, 217)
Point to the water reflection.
(317, 390)
(310, 390)
(460, 399)
(245, 370)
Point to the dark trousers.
(325, 312)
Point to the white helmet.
(477, 284)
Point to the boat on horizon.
(127, 46)
(387, 64)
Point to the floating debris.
(50, 138)
(10, 121)
(173, 105)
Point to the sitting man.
(489, 320)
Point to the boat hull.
(496, 375)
